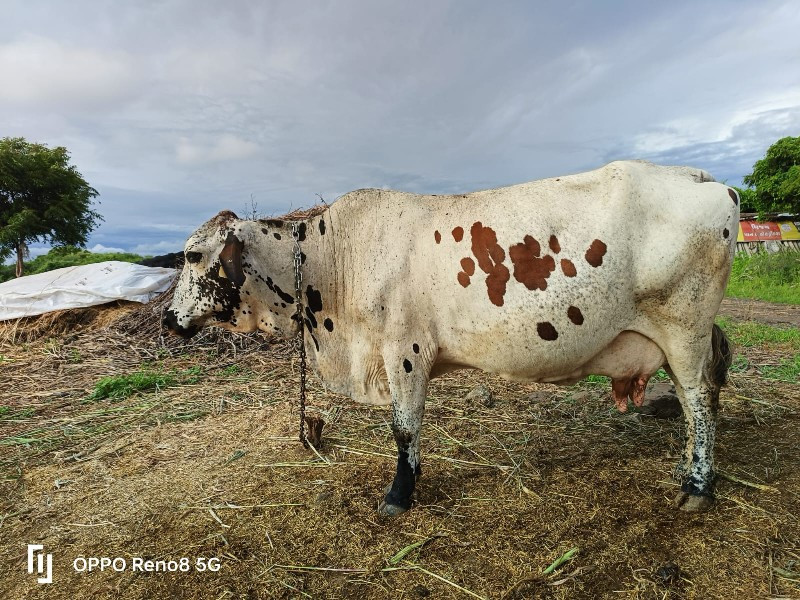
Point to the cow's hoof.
(689, 503)
(390, 510)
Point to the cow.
(617, 271)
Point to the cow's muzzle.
(171, 323)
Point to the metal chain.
(298, 294)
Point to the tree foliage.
(776, 178)
(43, 198)
(747, 199)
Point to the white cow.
(615, 272)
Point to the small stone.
(661, 401)
(421, 591)
(323, 497)
(668, 573)
(537, 397)
(581, 396)
(480, 394)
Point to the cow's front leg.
(408, 373)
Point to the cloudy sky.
(174, 110)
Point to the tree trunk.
(20, 253)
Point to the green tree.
(747, 199)
(776, 178)
(43, 198)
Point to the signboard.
(752, 231)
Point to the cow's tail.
(721, 356)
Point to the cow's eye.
(194, 257)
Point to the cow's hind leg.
(698, 368)
(408, 370)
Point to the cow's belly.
(628, 355)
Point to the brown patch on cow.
(529, 269)
(490, 257)
(554, 245)
(568, 267)
(547, 331)
(223, 219)
(458, 234)
(231, 259)
(595, 253)
(437, 236)
(734, 197)
(575, 315)
(467, 271)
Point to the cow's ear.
(231, 259)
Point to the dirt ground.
(209, 467)
(765, 312)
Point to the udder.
(629, 360)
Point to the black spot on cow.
(734, 196)
(313, 305)
(276, 288)
(222, 291)
(725, 233)
(322, 226)
(302, 258)
(314, 298)
(415, 348)
(311, 319)
(575, 315)
(277, 235)
(301, 232)
(546, 331)
(273, 222)
(407, 365)
(328, 324)
(265, 231)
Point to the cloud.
(174, 113)
(225, 148)
(43, 73)
(728, 151)
(99, 248)
(158, 248)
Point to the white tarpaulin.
(77, 287)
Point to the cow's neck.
(324, 289)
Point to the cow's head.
(220, 285)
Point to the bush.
(771, 277)
(66, 256)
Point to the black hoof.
(390, 510)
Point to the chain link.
(298, 294)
